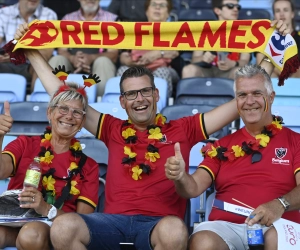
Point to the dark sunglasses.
(231, 6)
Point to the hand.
(281, 27)
(267, 213)
(149, 57)
(175, 165)
(35, 200)
(208, 57)
(6, 120)
(22, 29)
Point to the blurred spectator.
(284, 10)
(89, 60)
(157, 61)
(129, 10)
(10, 18)
(221, 64)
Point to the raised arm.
(50, 81)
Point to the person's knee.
(191, 70)
(171, 233)
(270, 238)
(57, 60)
(206, 240)
(34, 236)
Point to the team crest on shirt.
(280, 153)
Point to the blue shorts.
(108, 230)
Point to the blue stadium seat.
(177, 111)
(30, 118)
(198, 202)
(7, 139)
(208, 205)
(202, 90)
(254, 14)
(12, 87)
(197, 4)
(288, 94)
(112, 91)
(196, 15)
(39, 93)
(297, 13)
(297, 26)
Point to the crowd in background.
(107, 63)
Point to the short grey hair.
(249, 71)
(70, 94)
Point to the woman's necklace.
(48, 178)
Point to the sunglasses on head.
(231, 6)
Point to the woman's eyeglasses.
(231, 6)
(132, 94)
(64, 110)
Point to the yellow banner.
(230, 36)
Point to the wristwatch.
(284, 202)
(52, 213)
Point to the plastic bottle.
(33, 175)
(255, 236)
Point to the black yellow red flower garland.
(248, 147)
(48, 178)
(129, 161)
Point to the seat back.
(286, 95)
(196, 15)
(253, 14)
(208, 205)
(203, 90)
(12, 87)
(7, 139)
(197, 202)
(30, 118)
(112, 91)
(97, 150)
(39, 93)
(177, 111)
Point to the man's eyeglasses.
(64, 110)
(160, 5)
(132, 94)
(231, 6)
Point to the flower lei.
(248, 147)
(46, 156)
(129, 134)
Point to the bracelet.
(267, 59)
(162, 53)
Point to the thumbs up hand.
(175, 165)
(6, 120)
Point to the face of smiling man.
(141, 110)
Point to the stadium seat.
(196, 15)
(208, 205)
(113, 109)
(7, 139)
(12, 87)
(254, 14)
(177, 111)
(196, 4)
(30, 118)
(112, 91)
(297, 26)
(202, 90)
(287, 94)
(198, 202)
(39, 93)
(297, 13)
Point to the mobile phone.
(127, 246)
